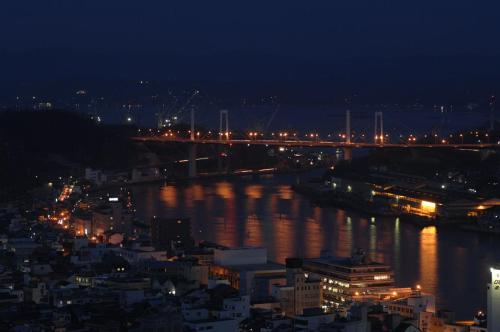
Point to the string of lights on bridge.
(474, 136)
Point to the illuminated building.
(494, 300)
(392, 195)
(411, 201)
(353, 279)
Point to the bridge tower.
(348, 127)
(223, 151)
(192, 125)
(224, 124)
(347, 150)
(379, 128)
(192, 172)
(492, 113)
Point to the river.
(452, 264)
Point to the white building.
(413, 305)
(494, 300)
(240, 256)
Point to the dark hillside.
(35, 146)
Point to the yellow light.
(429, 207)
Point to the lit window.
(428, 207)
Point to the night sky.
(347, 45)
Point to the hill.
(36, 146)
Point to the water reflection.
(285, 192)
(373, 242)
(197, 192)
(169, 196)
(344, 239)
(397, 247)
(429, 259)
(254, 191)
(268, 213)
(224, 190)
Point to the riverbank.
(204, 176)
(323, 196)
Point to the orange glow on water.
(168, 195)
(224, 190)
(285, 192)
(429, 259)
(198, 192)
(254, 191)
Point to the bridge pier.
(192, 173)
(223, 160)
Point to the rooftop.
(344, 262)
(257, 267)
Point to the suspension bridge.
(225, 137)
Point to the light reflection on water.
(452, 264)
(429, 259)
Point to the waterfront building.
(353, 279)
(400, 194)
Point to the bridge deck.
(320, 143)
